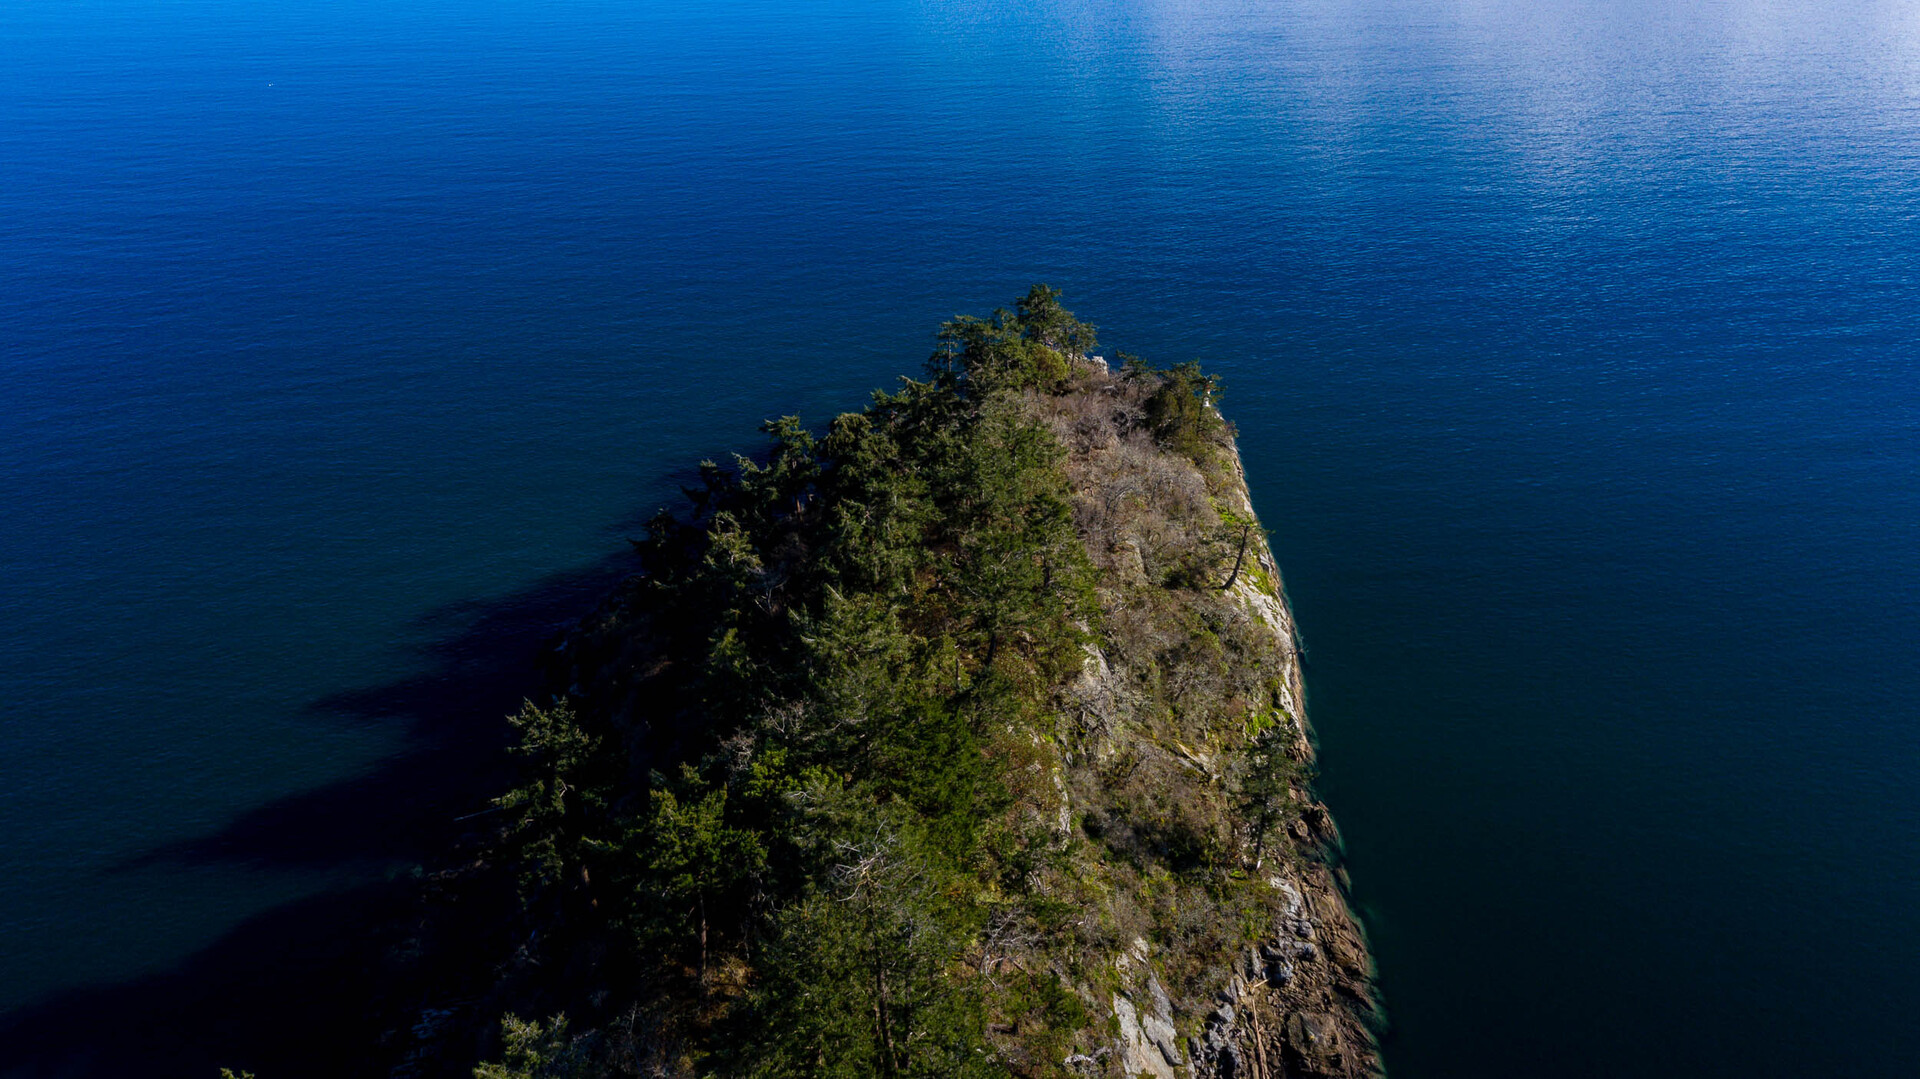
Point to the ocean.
(1574, 348)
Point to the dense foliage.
(801, 809)
(845, 647)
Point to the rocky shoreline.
(1307, 996)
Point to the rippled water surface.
(1572, 346)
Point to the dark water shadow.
(483, 660)
(452, 714)
(283, 994)
(307, 989)
(289, 993)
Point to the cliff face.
(1188, 726)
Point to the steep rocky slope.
(1192, 703)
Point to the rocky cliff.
(1191, 716)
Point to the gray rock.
(1313, 1035)
(1158, 1026)
(1163, 1036)
(1292, 893)
(1138, 1051)
(1292, 950)
(1162, 1007)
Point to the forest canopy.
(799, 809)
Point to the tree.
(1182, 410)
(549, 809)
(1026, 348)
(690, 857)
(1044, 321)
(860, 978)
(537, 1051)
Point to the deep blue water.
(1572, 345)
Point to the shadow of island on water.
(315, 987)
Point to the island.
(964, 737)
